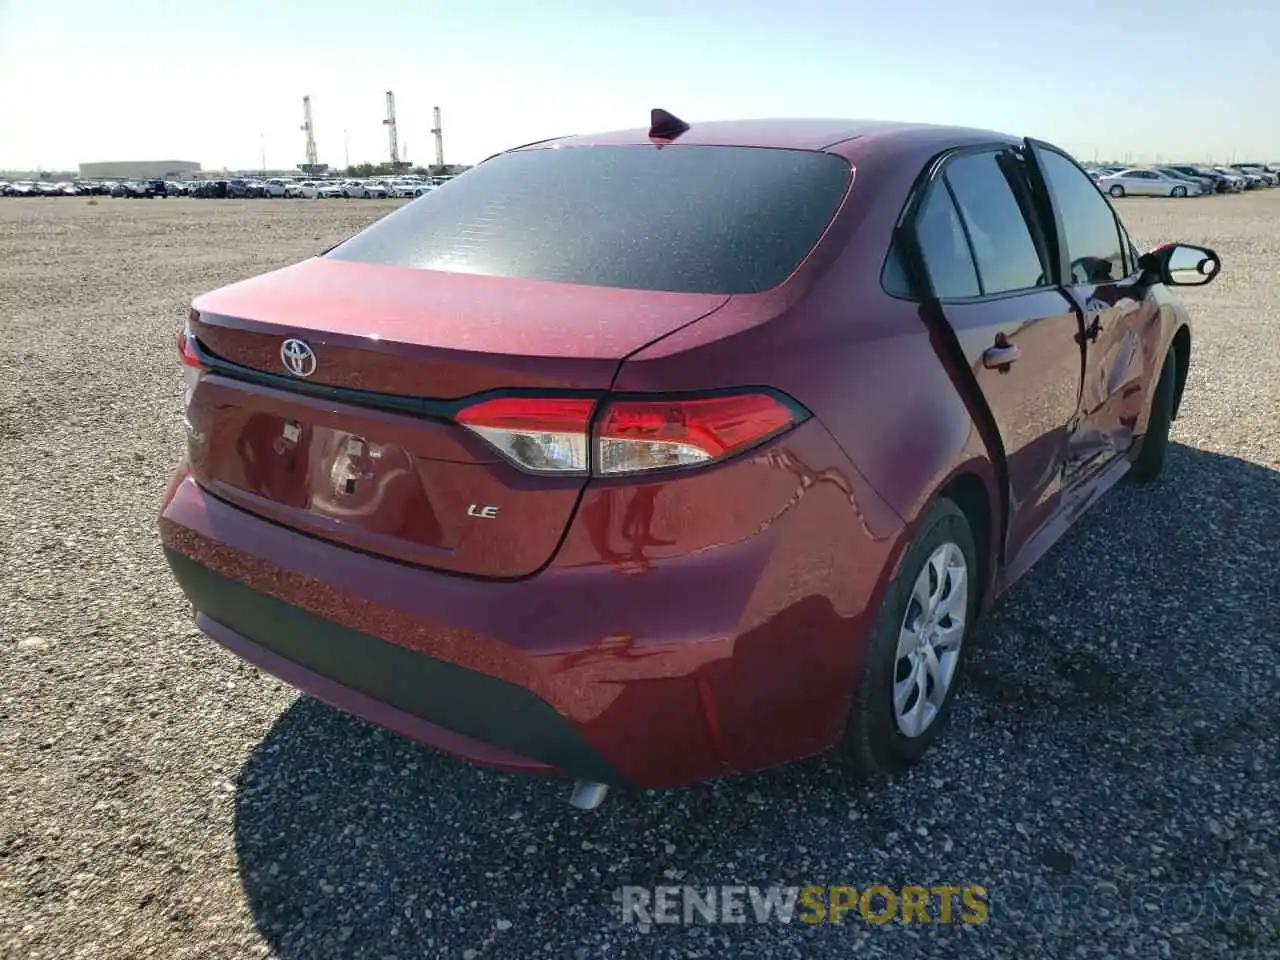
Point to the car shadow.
(355, 842)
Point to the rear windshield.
(688, 219)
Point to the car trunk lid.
(364, 449)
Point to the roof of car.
(791, 133)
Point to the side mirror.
(1181, 265)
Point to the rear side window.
(1007, 257)
(687, 219)
(1092, 233)
(944, 247)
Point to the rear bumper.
(387, 684)
(724, 638)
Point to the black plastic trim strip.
(394, 403)
(465, 701)
(448, 410)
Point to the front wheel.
(1155, 442)
(1116, 191)
(1179, 192)
(916, 649)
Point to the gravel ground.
(163, 799)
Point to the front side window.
(1088, 222)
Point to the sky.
(222, 83)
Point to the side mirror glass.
(1183, 265)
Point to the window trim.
(935, 170)
(1122, 236)
(964, 229)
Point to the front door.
(988, 261)
(1121, 322)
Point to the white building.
(140, 170)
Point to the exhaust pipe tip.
(587, 794)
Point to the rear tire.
(901, 671)
(1116, 191)
(1179, 192)
(1155, 443)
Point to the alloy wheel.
(929, 640)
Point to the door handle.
(1000, 356)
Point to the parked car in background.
(364, 190)
(1236, 180)
(306, 190)
(648, 485)
(1252, 181)
(1207, 185)
(1267, 177)
(1220, 182)
(329, 191)
(1140, 182)
(275, 188)
(138, 189)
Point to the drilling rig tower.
(309, 129)
(438, 132)
(390, 124)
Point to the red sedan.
(651, 456)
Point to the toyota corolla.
(652, 456)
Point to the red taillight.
(641, 435)
(187, 349)
(192, 369)
(541, 434)
(632, 435)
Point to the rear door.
(1121, 321)
(1149, 185)
(1019, 332)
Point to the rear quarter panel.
(867, 367)
(865, 364)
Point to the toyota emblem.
(298, 357)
